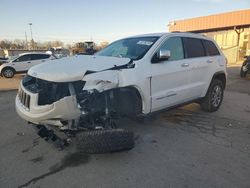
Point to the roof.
(33, 53)
(25, 50)
(182, 34)
(148, 35)
(229, 20)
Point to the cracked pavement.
(183, 147)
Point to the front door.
(22, 63)
(169, 78)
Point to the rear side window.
(39, 56)
(210, 47)
(193, 48)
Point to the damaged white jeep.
(82, 95)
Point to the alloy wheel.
(216, 96)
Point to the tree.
(103, 44)
(57, 43)
(68, 46)
(16, 44)
(5, 44)
(19, 44)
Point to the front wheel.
(8, 73)
(242, 73)
(214, 96)
(103, 141)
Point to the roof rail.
(183, 32)
(202, 34)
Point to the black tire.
(242, 73)
(8, 72)
(211, 103)
(105, 141)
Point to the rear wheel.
(8, 72)
(103, 141)
(214, 96)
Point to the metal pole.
(26, 40)
(31, 31)
(238, 31)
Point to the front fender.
(101, 81)
(2, 67)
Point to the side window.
(23, 58)
(39, 56)
(193, 48)
(44, 56)
(210, 47)
(174, 45)
(34, 56)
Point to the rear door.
(198, 63)
(169, 78)
(38, 58)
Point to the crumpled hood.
(73, 68)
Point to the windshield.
(12, 57)
(133, 48)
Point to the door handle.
(209, 61)
(185, 65)
(29, 62)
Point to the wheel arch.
(7, 67)
(134, 96)
(220, 76)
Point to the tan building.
(231, 31)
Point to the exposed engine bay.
(98, 106)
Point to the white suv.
(131, 77)
(22, 62)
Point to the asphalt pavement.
(180, 148)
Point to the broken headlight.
(49, 92)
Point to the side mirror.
(163, 55)
(160, 56)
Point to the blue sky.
(107, 20)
